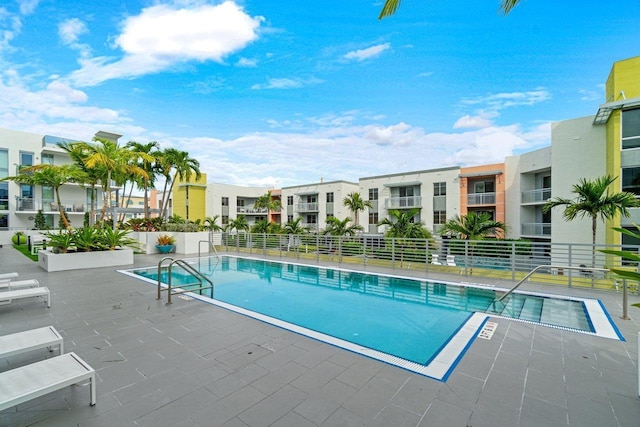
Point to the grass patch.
(636, 305)
(26, 252)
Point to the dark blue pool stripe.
(464, 350)
(613, 325)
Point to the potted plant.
(19, 238)
(165, 244)
(60, 242)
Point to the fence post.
(513, 260)
(570, 262)
(625, 301)
(393, 252)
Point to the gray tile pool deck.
(193, 364)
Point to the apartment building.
(314, 203)
(231, 201)
(19, 203)
(435, 192)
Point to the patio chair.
(8, 276)
(435, 259)
(78, 207)
(8, 297)
(10, 285)
(33, 339)
(28, 382)
(451, 260)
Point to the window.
(631, 180)
(373, 194)
(240, 203)
(289, 200)
(26, 159)
(224, 219)
(439, 188)
(4, 163)
(330, 197)
(4, 196)
(48, 195)
(631, 128)
(4, 222)
(373, 218)
(329, 216)
(289, 218)
(225, 201)
(439, 217)
(482, 187)
(312, 219)
(47, 159)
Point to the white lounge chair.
(451, 260)
(5, 277)
(28, 382)
(19, 284)
(33, 339)
(435, 259)
(8, 296)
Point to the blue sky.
(275, 93)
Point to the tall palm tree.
(183, 168)
(266, 201)
(47, 175)
(113, 160)
(473, 227)
(239, 224)
(390, 7)
(593, 200)
(401, 224)
(336, 227)
(355, 203)
(150, 148)
(211, 223)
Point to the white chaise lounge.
(4, 277)
(33, 339)
(7, 297)
(28, 382)
(18, 284)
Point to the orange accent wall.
(276, 216)
(478, 172)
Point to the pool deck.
(193, 364)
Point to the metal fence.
(508, 260)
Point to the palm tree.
(183, 167)
(210, 223)
(266, 201)
(336, 227)
(355, 203)
(594, 201)
(54, 176)
(390, 7)
(113, 160)
(294, 227)
(239, 224)
(473, 227)
(401, 224)
(150, 148)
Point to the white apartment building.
(231, 201)
(314, 203)
(436, 192)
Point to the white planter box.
(82, 260)
(186, 243)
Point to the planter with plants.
(87, 247)
(165, 244)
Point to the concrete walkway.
(193, 364)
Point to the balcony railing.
(29, 204)
(540, 195)
(307, 207)
(481, 199)
(252, 211)
(536, 229)
(403, 202)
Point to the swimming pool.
(419, 325)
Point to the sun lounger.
(8, 296)
(5, 277)
(33, 339)
(19, 284)
(435, 259)
(28, 382)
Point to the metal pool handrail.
(190, 270)
(541, 267)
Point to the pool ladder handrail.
(211, 245)
(190, 270)
(550, 267)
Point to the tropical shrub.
(165, 240)
(19, 238)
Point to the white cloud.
(162, 36)
(370, 52)
(286, 83)
(500, 101)
(28, 6)
(246, 62)
(70, 29)
(476, 122)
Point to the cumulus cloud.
(162, 36)
(370, 52)
(70, 29)
(476, 122)
(28, 6)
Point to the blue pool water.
(408, 318)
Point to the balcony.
(311, 226)
(536, 229)
(403, 202)
(307, 207)
(31, 205)
(481, 199)
(540, 195)
(251, 211)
